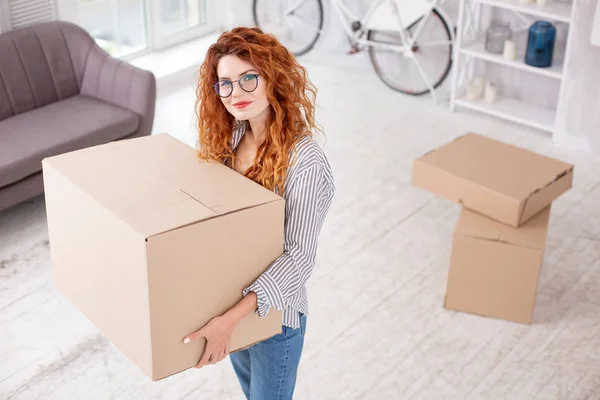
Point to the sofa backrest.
(41, 64)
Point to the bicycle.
(299, 24)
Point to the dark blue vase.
(540, 44)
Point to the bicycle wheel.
(432, 51)
(297, 24)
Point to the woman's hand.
(219, 329)
(217, 333)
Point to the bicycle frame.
(390, 15)
(385, 15)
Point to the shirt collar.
(238, 133)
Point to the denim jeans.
(267, 370)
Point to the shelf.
(513, 110)
(553, 10)
(477, 50)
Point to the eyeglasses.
(248, 83)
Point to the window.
(129, 27)
(18, 13)
(177, 16)
(119, 27)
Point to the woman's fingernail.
(186, 340)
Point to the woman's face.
(246, 93)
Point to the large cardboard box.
(502, 181)
(150, 244)
(494, 268)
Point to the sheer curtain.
(578, 119)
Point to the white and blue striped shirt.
(308, 191)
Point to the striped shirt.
(308, 191)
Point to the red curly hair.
(290, 94)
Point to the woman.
(256, 114)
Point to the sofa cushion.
(60, 127)
(37, 66)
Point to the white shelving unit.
(477, 50)
(469, 50)
(554, 10)
(514, 110)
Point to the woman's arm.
(243, 308)
(305, 212)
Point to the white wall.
(596, 26)
(235, 13)
(578, 119)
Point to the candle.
(472, 93)
(479, 83)
(510, 50)
(491, 92)
(475, 89)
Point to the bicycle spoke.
(293, 7)
(425, 79)
(425, 67)
(413, 37)
(436, 43)
(294, 17)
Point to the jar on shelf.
(540, 44)
(497, 33)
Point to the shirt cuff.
(267, 294)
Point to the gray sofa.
(59, 92)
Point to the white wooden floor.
(377, 328)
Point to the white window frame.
(156, 43)
(151, 19)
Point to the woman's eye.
(248, 77)
(225, 83)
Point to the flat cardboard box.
(150, 244)
(502, 181)
(494, 268)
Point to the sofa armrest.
(122, 84)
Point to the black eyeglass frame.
(215, 85)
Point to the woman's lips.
(242, 104)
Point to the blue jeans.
(267, 370)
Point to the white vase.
(491, 92)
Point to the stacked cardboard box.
(150, 244)
(498, 244)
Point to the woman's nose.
(237, 89)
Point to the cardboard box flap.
(542, 197)
(114, 176)
(146, 202)
(496, 165)
(155, 184)
(209, 182)
(160, 210)
(531, 234)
